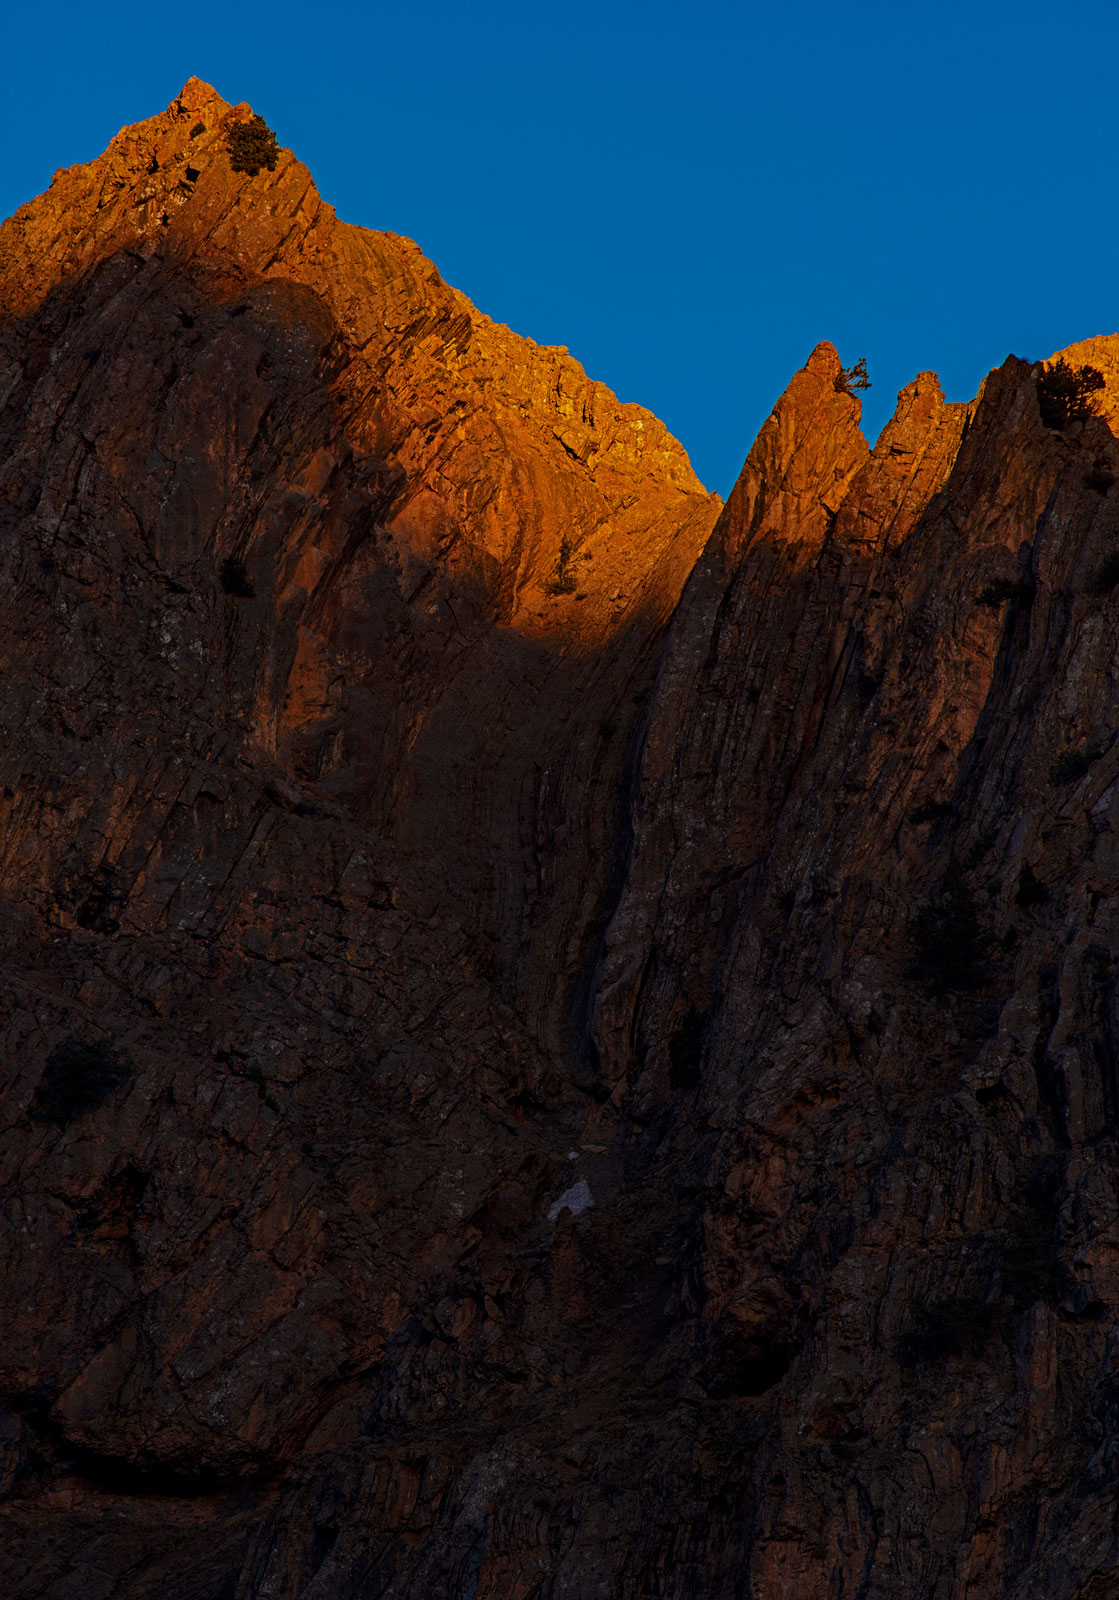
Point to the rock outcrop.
(557, 1046)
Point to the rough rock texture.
(614, 1086)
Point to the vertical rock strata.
(611, 1013)
(887, 697)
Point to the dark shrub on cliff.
(563, 579)
(251, 145)
(256, 1075)
(1071, 765)
(235, 579)
(946, 1327)
(80, 1075)
(930, 811)
(996, 594)
(685, 1051)
(1031, 891)
(1107, 574)
(1067, 394)
(1027, 1255)
(949, 946)
(848, 379)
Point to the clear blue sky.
(687, 196)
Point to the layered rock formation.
(606, 1018)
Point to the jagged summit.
(167, 185)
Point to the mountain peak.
(162, 183)
(166, 188)
(195, 95)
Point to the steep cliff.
(557, 1047)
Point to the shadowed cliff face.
(205, 365)
(871, 692)
(614, 1011)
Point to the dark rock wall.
(608, 1023)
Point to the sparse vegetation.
(1071, 765)
(251, 146)
(100, 912)
(235, 579)
(848, 379)
(1067, 394)
(79, 1076)
(685, 1051)
(1020, 1262)
(946, 1327)
(1026, 1256)
(256, 1075)
(982, 847)
(1031, 891)
(930, 811)
(949, 944)
(996, 594)
(563, 579)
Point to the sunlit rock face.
(561, 1044)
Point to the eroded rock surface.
(618, 1010)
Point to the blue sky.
(688, 197)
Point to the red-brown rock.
(608, 1018)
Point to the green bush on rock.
(251, 146)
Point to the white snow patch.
(576, 1199)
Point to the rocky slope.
(607, 1019)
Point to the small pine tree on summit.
(251, 145)
(848, 379)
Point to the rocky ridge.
(620, 1007)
